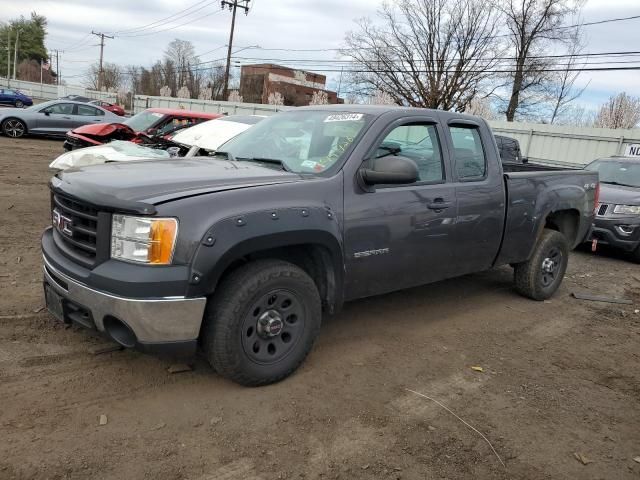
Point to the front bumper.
(618, 232)
(170, 324)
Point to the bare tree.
(620, 111)
(275, 98)
(180, 55)
(235, 96)
(319, 97)
(381, 98)
(426, 53)
(534, 25)
(481, 107)
(111, 77)
(562, 86)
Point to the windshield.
(143, 120)
(307, 141)
(617, 172)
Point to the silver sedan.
(54, 118)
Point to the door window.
(419, 142)
(60, 109)
(86, 110)
(468, 153)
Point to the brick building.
(296, 86)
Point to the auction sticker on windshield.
(343, 117)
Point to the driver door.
(399, 236)
(55, 119)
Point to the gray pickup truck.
(241, 252)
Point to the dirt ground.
(560, 381)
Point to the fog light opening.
(625, 229)
(120, 332)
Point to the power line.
(171, 28)
(144, 27)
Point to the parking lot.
(558, 394)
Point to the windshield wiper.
(618, 183)
(273, 161)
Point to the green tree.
(31, 36)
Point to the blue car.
(14, 98)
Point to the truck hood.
(619, 194)
(138, 186)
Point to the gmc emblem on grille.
(61, 223)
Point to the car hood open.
(137, 186)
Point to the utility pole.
(233, 6)
(8, 57)
(100, 72)
(15, 53)
(57, 64)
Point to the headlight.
(143, 239)
(627, 209)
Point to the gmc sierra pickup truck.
(240, 253)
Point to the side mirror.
(47, 112)
(525, 160)
(390, 170)
(152, 131)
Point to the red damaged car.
(150, 125)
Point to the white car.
(201, 139)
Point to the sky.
(294, 24)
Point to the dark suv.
(617, 220)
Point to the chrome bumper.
(172, 319)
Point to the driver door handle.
(439, 204)
(67, 118)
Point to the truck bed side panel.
(532, 197)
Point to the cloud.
(308, 24)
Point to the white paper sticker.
(308, 164)
(343, 117)
(157, 114)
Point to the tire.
(14, 128)
(19, 104)
(540, 276)
(261, 322)
(635, 256)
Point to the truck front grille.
(75, 228)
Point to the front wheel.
(261, 322)
(14, 128)
(540, 276)
(19, 104)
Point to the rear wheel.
(542, 274)
(261, 322)
(12, 127)
(19, 104)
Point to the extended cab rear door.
(397, 236)
(479, 190)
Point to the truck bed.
(533, 192)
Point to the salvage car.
(9, 96)
(617, 221)
(145, 127)
(54, 118)
(242, 252)
(202, 139)
(112, 107)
